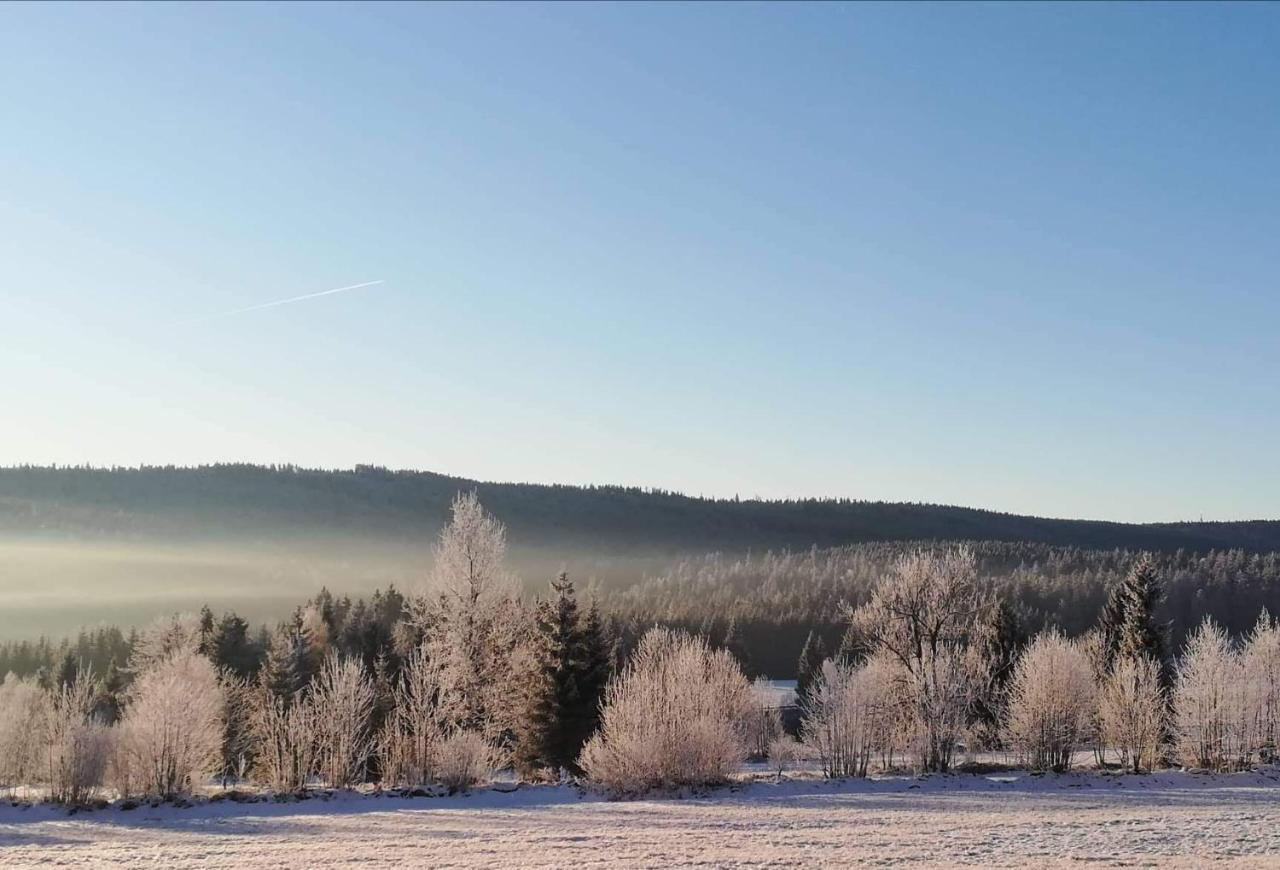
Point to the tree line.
(441, 687)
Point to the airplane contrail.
(277, 302)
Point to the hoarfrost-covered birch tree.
(472, 620)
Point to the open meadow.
(1013, 820)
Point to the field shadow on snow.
(438, 814)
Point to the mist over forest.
(84, 547)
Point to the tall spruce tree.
(564, 705)
(1111, 624)
(1140, 633)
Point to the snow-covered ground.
(1168, 819)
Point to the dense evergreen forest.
(226, 500)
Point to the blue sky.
(1018, 257)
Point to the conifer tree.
(573, 666)
(853, 649)
(812, 655)
(1140, 634)
(1111, 625)
(737, 648)
(205, 647)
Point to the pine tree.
(812, 655)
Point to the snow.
(1007, 820)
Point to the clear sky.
(1018, 257)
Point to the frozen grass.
(1014, 820)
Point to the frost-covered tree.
(466, 759)
(23, 707)
(341, 696)
(1206, 701)
(236, 758)
(1260, 659)
(1131, 712)
(409, 743)
(472, 621)
(74, 745)
(678, 714)
(785, 752)
(172, 729)
(924, 615)
(1052, 701)
(164, 637)
(284, 738)
(843, 718)
(766, 719)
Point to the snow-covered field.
(1170, 819)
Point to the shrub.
(171, 733)
(283, 730)
(74, 746)
(766, 719)
(1051, 702)
(1207, 703)
(23, 707)
(1260, 660)
(342, 700)
(677, 715)
(843, 719)
(1131, 712)
(465, 759)
(785, 752)
(409, 743)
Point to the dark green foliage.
(1000, 640)
(289, 664)
(812, 655)
(733, 642)
(1140, 633)
(1111, 624)
(564, 706)
(853, 649)
(206, 631)
(231, 648)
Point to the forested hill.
(231, 500)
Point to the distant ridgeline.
(226, 500)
